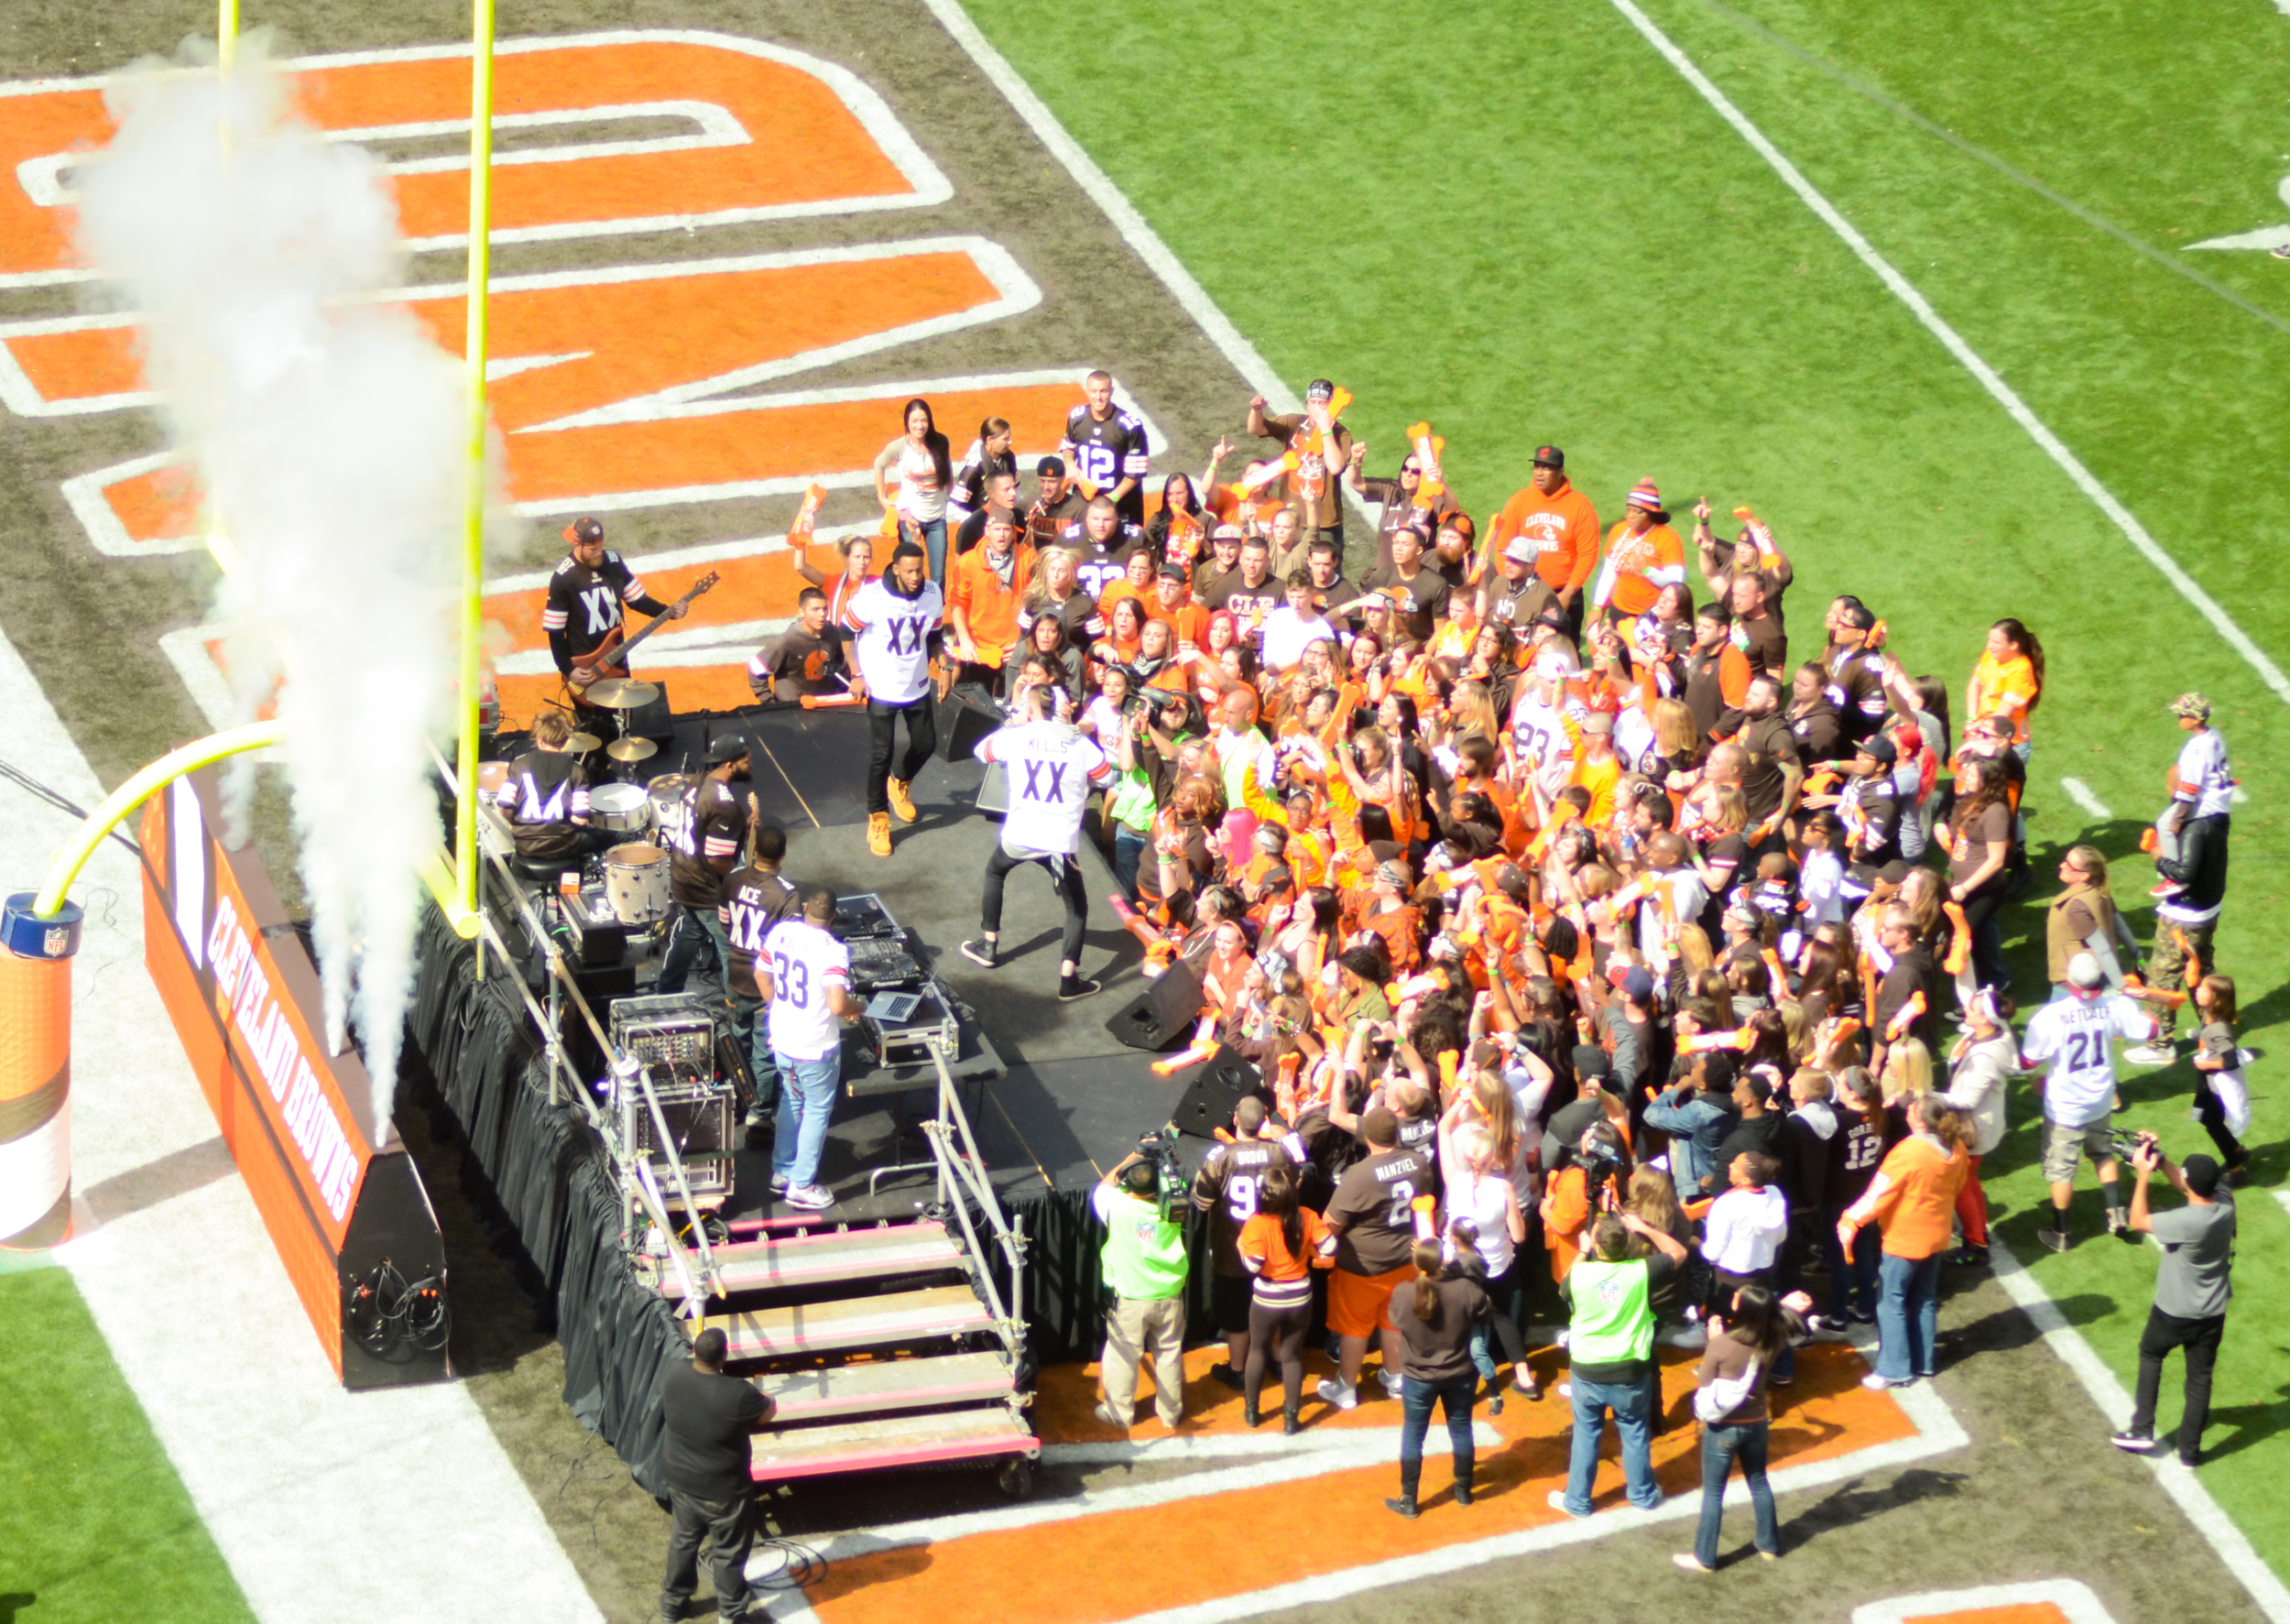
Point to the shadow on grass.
(1850, 1502)
(13, 1604)
(2250, 1424)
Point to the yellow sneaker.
(901, 802)
(878, 833)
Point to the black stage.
(1074, 1101)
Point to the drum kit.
(621, 695)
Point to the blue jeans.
(1453, 1396)
(935, 544)
(1633, 1417)
(693, 932)
(1908, 1314)
(1854, 1284)
(807, 1090)
(1721, 1446)
(751, 1030)
(1129, 851)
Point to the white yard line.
(327, 1505)
(2003, 393)
(2080, 793)
(2183, 1486)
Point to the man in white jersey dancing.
(897, 620)
(2076, 1034)
(2191, 858)
(1051, 769)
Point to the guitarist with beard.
(586, 596)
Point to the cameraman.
(1145, 1265)
(2191, 1291)
(1610, 1348)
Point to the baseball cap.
(1521, 550)
(1644, 494)
(1172, 570)
(2191, 704)
(1051, 465)
(1878, 748)
(2201, 1173)
(589, 530)
(1319, 388)
(2083, 970)
(1591, 1061)
(1224, 533)
(1637, 986)
(730, 747)
(1549, 456)
(1460, 523)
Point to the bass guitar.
(618, 645)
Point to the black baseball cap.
(728, 749)
(2201, 1173)
(1051, 465)
(1319, 388)
(584, 530)
(1878, 748)
(1549, 456)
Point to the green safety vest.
(1144, 1254)
(1614, 1316)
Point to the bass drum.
(636, 883)
(620, 809)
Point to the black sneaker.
(980, 952)
(1229, 1376)
(1071, 987)
(2055, 1239)
(2134, 1443)
(1968, 1257)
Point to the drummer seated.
(807, 658)
(545, 798)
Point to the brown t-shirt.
(1764, 645)
(1374, 1208)
(1991, 827)
(1439, 1350)
(1770, 744)
(1727, 1360)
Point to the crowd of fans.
(1604, 959)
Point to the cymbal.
(621, 693)
(631, 749)
(580, 744)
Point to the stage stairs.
(877, 1343)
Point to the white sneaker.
(810, 1197)
(1393, 1385)
(1877, 1384)
(2150, 1054)
(1340, 1394)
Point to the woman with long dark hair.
(1179, 530)
(2008, 681)
(1745, 1339)
(1279, 1247)
(1977, 834)
(926, 477)
(1435, 1312)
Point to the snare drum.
(620, 809)
(666, 791)
(635, 882)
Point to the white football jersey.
(1539, 737)
(2076, 1034)
(803, 962)
(893, 641)
(1051, 769)
(2204, 776)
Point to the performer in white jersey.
(1052, 767)
(897, 619)
(2076, 1035)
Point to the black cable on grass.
(62, 803)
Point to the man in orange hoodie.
(1563, 525)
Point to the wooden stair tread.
(775, 1261)
(890, 1441)
(849, 1321)
(882, 1385)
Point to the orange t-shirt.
(1633, 558)
(1563, 528)
(992, 606)
(1995, 680)
(1914, 1197)
(1261, 1237)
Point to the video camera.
(2126, 1145)
(1160, 1149)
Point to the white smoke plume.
(327, 429)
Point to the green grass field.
(1526, 225)
(93, 1522)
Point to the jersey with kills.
(1051, 769)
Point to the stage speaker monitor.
(1217, 1087)
(654, 721)
(1158, 1017)
(963, 720)
(993, 791)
